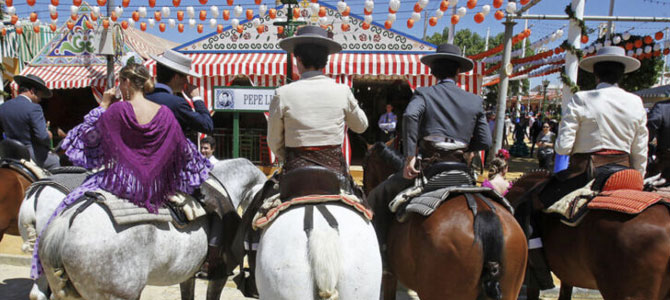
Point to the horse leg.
(566, 292)
(214, 288)
(40, 289)
(389, 285)
(187, 289)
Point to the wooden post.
(236, 134)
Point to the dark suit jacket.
(198, 120)
(445, 110)
(658, 123)
(23, 120)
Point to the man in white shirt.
(602, 126)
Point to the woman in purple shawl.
(136, 146)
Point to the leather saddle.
(447, 174)
(13, 149)
(312, 180)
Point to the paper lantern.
(486, 9)
(626, 36)
(158, 17)
(36, 28)
(444, 5)
(455, 19)
(152, 3)
(296, 12)
(439, 14)
(143, 26)
(105, 23)
(280, 29)
(415, 16)
(125, 3)
(648, 40)
(367, 12)
(143, 11)
(165, 11)
(113, 16)
(74, 9)
(367, 19)
(229, 2)
(394, 5)
(102, 2)
(629, 46)
(54, 16)
(417, 7)
(472, 4)
(203, 15)
(124, 25)
(118, 10)
(250, 14)
(388, 24)
(365, 26)
(346, 11)
(479, 17)
(176, 3)
(226, 14)
(391, 17)
(200, 28)
(234, 22)
(616, 40)
(260, 29)
(524, 2)
(13, 19)
(638, 44)
(256, 22)
(497, 3)
(11, 10)
(666, 51)
(423, 3)
(262, 10)
(272, 13)
(461, 11)
(74, 17)
(647, 49)
(19, 30)
(3, 31)
(136, 16)
(511, 7)
(69, 24)
(52, 26)
(203, 2)
(240, 28)
(410, 23)
(171, 23)
(33, 17)
(657, 47)
(9, 3)
(88, 24)
(212, 23)
(341, 6)
(432, 21)
(32, 2)
(53, 2)
(369, 5)
(585, 39)
(180, 27)
(161, 26)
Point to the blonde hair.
(139, 76)
(497, 166)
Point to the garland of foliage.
(572, 49)
(580, 23)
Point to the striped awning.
(268, 69)
(661, 92)
(71, 77)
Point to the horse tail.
(488, 232)
(51, 253)
(324, 257)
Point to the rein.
(308, 221)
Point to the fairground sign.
(238, 98)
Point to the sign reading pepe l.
(237, 98)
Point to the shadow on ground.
(15, 288)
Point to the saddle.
(26, 168)
(311, 180)
(438, 183)
(13, 149)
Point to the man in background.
(387, 124)
(207, 147)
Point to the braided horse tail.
(488, 233)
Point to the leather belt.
(314, 148)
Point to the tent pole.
(110, 58)
(504, 84)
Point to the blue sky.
(658, 8)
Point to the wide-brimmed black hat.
(310, 35)
(450, 52)
(35, 82)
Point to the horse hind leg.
(566, 292)
(215, 287)
(187, 289)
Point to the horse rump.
(488, 232)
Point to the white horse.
(326, 264)
(95, 259)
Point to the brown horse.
(447, 255)
(12, 188)
(623, 256)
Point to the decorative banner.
(227, 98)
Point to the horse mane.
(387, 154)
(526, 182)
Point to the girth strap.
(472, 203)
(487, 201)
(308, 222)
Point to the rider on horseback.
(308, 117)
(441, 123)
(658, 124)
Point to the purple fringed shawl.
(142, 163)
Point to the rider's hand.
(192, 90)
(410, 172)
(108, 97)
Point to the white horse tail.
(324, 256)
(50, 252)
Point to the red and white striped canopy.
(268, 69)
(71, 77)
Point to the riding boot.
(212, 267)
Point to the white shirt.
(213, 160)
(605, 118)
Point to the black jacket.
(445, 110)
(658, 123)
(198, 120)
(23, 120)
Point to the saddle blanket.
(626, 201)
(572, 207)
(123, 212)
(412, 200)
(273, 206)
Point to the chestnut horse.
(443, 256)
(623, 256)
(12, 188)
